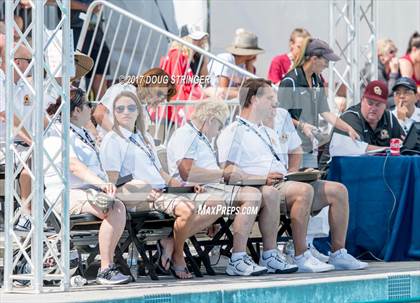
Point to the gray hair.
(211, 108)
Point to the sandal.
(161, 253)
(180, 269)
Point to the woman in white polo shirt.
(128, 149)
(191, 157)
(88, 182)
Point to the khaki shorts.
(215, 192)
(78, 198)
(316, 185)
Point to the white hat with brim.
(198, 35)
(83, 64)
(245, 44)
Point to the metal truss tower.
(27, 253)
(353, 29)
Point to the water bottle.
(77, 281)
(132, 260)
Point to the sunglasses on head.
(130, 108)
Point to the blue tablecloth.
(391, 231)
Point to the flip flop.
(160, 252)
(180, 269)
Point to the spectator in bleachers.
(196, 36)
(388, 67)
(192, 158)
(86, 171)
(242, 53)
(129, 149)
(303, 89)
(375, 125)
(151, 94)
(410, 62)
(177, 65)
(282, 64)
(405, 94)
(78, 9)
(267, 157)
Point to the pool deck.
(163, 290)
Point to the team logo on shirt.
(27, 100)
(384, 134)
(283, 138)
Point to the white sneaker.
(24, 223)
(321, 257)
(344, 261)
(244, 266)
(309, 263)
(276, 263)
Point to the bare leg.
(336, 196)
(299, 198)
(242, 225)
(188, 223)
(269, 218)
(25, 191)
(110, 231)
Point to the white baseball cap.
(193, 31)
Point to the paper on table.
(342, 145)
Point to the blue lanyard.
(269, 145)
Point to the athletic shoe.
(111, 276)
(244, 266)
(321, 257)
(344, 261)
(276, 263)
(309, 263)
(24, 223)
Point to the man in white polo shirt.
(254, 150)
(192, 158)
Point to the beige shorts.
(78, 198)
(316, 202)
(215, 192)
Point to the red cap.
(376, 90)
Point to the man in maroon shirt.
(281, 64)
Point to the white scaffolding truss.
(355, 18)
(36, 247)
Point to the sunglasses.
(130, 108)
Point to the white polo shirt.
(286, 131)
(186, 143)
(217, 69)
(241, 145)
(415, 117)
(123, 155)
(78, 148)
(25, 105)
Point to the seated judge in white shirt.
(289, 139)
(192, 158)
(86, 171)
(255, 151)
(129, 149)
